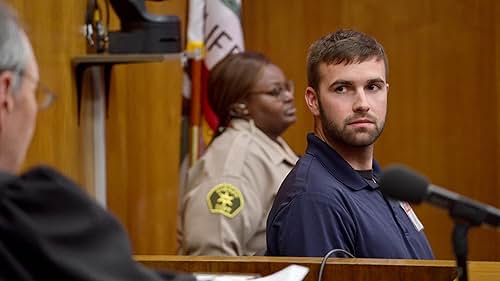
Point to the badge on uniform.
(225, 199)
(411, 214)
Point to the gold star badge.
(225, 199)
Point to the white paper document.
(290, 273)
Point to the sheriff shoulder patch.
(225, 199)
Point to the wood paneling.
(443, 115)
(143, 142)
(56, 37)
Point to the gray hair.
(13, 48)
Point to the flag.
(214, 31)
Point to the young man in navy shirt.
(330, 200)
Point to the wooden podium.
(336, 269)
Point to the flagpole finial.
(195, 50)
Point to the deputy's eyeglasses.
(43, 95)
(279, 91)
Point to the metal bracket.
(107, 61)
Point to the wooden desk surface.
(336, 269)
(484, 271)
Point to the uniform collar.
(337, 166)
(276, 152)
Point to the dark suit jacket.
(51, 230)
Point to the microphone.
(400, 183)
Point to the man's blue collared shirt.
(324, 204)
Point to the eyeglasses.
(43, 95)
(279, 91)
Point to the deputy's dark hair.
(231, 81)
(343, 46)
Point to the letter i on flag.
(213, 32)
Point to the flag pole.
(196, 49)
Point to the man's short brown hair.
(342, 46)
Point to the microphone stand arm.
(465, 216)
(460, 247)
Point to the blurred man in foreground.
(49, 228)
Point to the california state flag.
(213, 32)
(223, 34)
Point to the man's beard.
(350, 136)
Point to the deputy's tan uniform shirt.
(230, 191)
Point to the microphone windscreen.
(400, 183)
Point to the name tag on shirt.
(411, 214)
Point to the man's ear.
(312, 100)
(6, 91)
